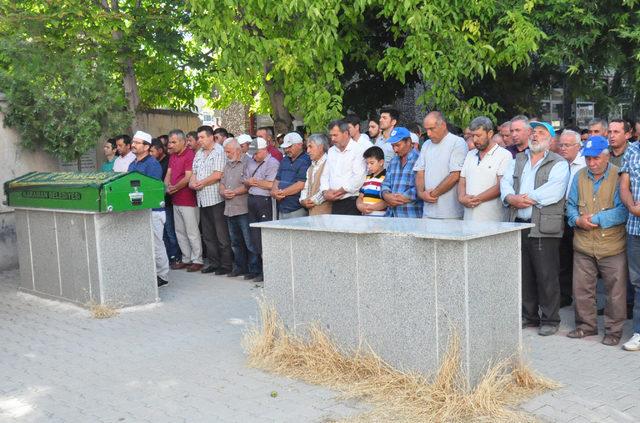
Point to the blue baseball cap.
(398, 134)
(594, 145)
(547, 125)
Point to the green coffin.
(95, 192)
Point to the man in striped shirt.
(399, 186)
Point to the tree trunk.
(282, 119)
(79, 162)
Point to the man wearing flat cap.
(533, 187)
(598, 216)
(147, 165)
(291, 177)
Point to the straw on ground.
(101, 311)
(396, 396)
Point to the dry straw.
(101, 311)
(396, 396)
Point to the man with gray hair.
(598, 127)
(505, 131)
(311, 196)
(569, 149)
(520, 135)
(438, 169)
(534, 187)
(291, 177)
(479, 186)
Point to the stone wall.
(235, 119)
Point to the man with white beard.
(534, 188)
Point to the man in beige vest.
(311, 197)
(595, 210)
(533, 187)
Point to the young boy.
(370, 202)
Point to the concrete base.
(87, 257)
(402, 292)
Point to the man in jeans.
(630, 196)
(236, 209)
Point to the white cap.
(414, 138)
(290, 139)
(141, 135)
(261, 143)
(243, 139)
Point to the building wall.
(16, 161)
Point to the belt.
(523, 220)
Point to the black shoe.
(601, 311)
(566, 302)
(209, 269)
(235, 273)
(221, 272)
(250, 276)
(259, 278)
(161, 282)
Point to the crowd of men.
(580, 190)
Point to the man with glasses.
(569, 149)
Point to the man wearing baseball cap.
(399, 185)
(534, 188)
(147, 165)
(291, 177)
(598, 216)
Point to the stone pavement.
(181, 361)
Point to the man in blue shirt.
(399, 185)
(147, 165)
(291, 177)
(595, 210)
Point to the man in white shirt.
(345, 170)
(479, 185)
(362, 140)
(438, 169)
(125, 155)
(569, 149)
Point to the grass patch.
(396, 396)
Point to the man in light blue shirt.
(534, 188)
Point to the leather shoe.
(221, 272)
(580, 333)
(208, 269)
(259, 278)
(195, 267)
(179, 265)
(611, 340)
(235, 273)
(250, 276)
(161, 282)
(546, 330)
(528, 324)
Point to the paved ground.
(181, 361)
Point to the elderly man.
(438, 169)
(595, 210)
(520, 135)
(185, 207)
(311, 196)
(630, 195)
(619, 134)
(149, 166)
(244, 141)
(291, 177)
(534, 187)
(569, 148)
(483, 168)
(345, 171)
(599, 127)
(258, 176)
(208, 166)
(399, 187)
(125, 155)
(388, 120)
(505, 131)
(266, 133)
(236, 209)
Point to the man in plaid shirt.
(630, 196)
(399, 186)
(205, 181)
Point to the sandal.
(580, 333)
(611, 340)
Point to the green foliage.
(63, 102)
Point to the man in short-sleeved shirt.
(438, 170)
(479, 186)
(291, 177)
